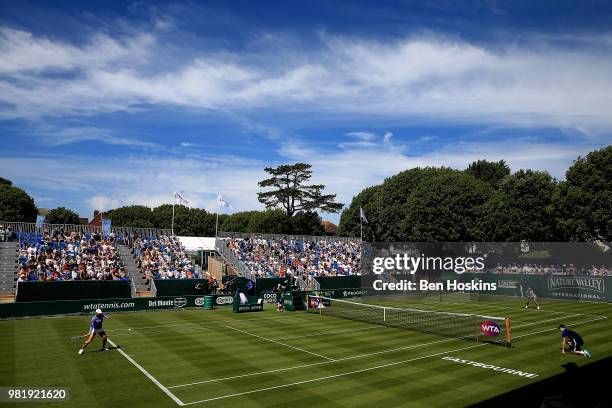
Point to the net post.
(508, 334)
(320, 308)
(384, 314)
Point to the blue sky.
(112, 103)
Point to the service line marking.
(341, 359)
(369, 368)
(282, 344)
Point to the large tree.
(430, 204)
(15, 204)
(583, 202)
(62, 215)
(273, 222)
(349, 220)
(489, 172)
(291, 193)
(187, 221)
(237, 222)
(131, 216)
(445, 207)
(528, 194)
(307, 223)
(521, 209)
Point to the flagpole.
(361, 227)
(172, 227)
(217, 224)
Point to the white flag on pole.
(362, 215)
(222, 203)
(179, 199)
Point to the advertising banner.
(106, 227)
(50, 308)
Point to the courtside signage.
(224, 300)
(490, 367)
(490, 328)
(585, 283)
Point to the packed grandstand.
(61, 256)
(281, 256)
(71, 255)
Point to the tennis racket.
(77, 338)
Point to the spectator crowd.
(303, 260)
(162, 257)
(61, 256)
(554, 269)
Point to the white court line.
(317, 364)
(278, 342)
(544, 321)
(329, 332)
(363, 369)
(149, 376)
(191, 326)
(330, 376)
(360, 356)
(134, 330)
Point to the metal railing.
(133, 287)
(303, 238)
(229, 255)
(30, 227)
(314, 285)
(153, 288)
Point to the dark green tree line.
(487, 203)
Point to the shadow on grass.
(100, 351)
(583, 386)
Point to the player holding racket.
(96, 327)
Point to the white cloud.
(86, 184)
(366, 136)
(59, 136)
(426, 138)
(102, 203)
(22, 52)
(424, 78)
(368, 140)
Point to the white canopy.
(197, 243)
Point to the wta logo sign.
(490, 328)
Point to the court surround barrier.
(88, 306)
(253, 305)
(566, 287)
(73, 290)
(212, 301)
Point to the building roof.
(330, 227)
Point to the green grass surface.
(214, 358)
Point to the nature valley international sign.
(581, 283)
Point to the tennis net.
(460, 325)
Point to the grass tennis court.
(215, 358)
